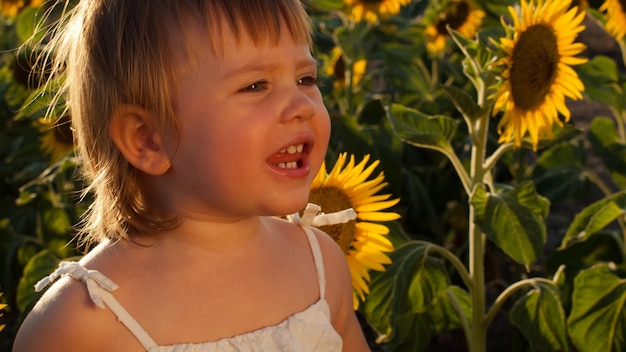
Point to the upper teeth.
(292, 149)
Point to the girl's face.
(254, 132)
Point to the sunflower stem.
(349, 72)
(478, 175)
(477, 291)
(620, 121)
(620, 117)
(493, 158)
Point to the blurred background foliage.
(372, 54)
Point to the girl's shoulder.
(66, 316)
(336, 272)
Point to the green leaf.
(560, 173)
(354, 41)
(594, 218)
(39, 104)
(539, 315)
(477, 64)
(463, 102)
(411, 283)
(414, 333)
(421, 130)
(444, 315)
(513, 220)
(606, 145)
(562, 154)
(438, 318)
(26, 24)
(600, 75)
(602, 247)
(39, 266)
(428, 283)
(562, 183)
(527, 196)
(56, 221)
(598, 318)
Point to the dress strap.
(311, 216)
(99, 288)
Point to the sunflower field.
(481, 144)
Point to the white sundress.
(304, 331)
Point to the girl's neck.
(211, 236)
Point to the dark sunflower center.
(534, 69)
(455, 16)
(63, 131)
(623, 5)
(333, 199)
(339, 70)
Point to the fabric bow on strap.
(94, 280)
(311, 216)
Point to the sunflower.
(461, 15)
(362, 240)
(616, 17)
(10, 8)
(337, 69)
(2, 306)
(538, 76)
(370, 10)
(56, 139)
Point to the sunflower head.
(337, 70)
(461, 15)
(10, 8)
(372, 10)
(56, 138)
(615, 15)
(348, 185)
(538, 75)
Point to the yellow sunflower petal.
(372, 227)
(367, 261)
(533, 98)
(348, 186)
(378, 205)
(378, 216)
(374, 239)
(371, 10)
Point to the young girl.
(198, 122)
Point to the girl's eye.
(255, 87)
(308, 81)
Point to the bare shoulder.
(64, 319)
(338, 289)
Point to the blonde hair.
(113, 52)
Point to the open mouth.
(291, 157)
(292, 150)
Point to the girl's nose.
(298, 105)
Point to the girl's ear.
(134, 134)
